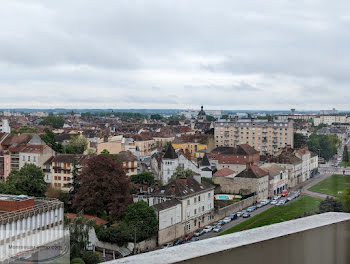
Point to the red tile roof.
(223, 172)
(99, 221)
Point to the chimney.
(173, 189)
(183, 180)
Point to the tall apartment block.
(31, 229)
(266, 136)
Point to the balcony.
(318, 239)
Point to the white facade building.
(5, 127)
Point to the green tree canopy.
(142, 217)
(143, 177)
(25, 129)
(156, 117)
(330, 205)
(77, 145)
(79, 235)
(54, 121)
(210, 118)
(325, 145)
(345, 199)
(29, 180)
(50, 138)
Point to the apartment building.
(330, 119)
(182, 206)
(278, 178)
(59, 170)
(130, 162)
(27, 226)
(266, 136)
(35, 154)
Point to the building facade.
(266, 136)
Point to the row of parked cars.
(217, 227)
(277, 202)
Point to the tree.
(143, 177)
(330, 205)
(118, 234)
(104, 187)
(142, 217)
(156, 117)
(25, 129)
(29, 180)
(325, 145)
(90, 257)
(346, 155)
(105, 151)
(77, 145)
(54, 121)
(224, 117)
(299, 140)
(79, 235)
(210, 118)
(50, 138)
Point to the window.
(28, 158)
(195, 199)
(188, 202)
(203, 209)
(24, 158)
(34, 158)
(281, 174)
(195, 211)
(208, 195)
(199, 198)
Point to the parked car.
(246, 215)
(207, 229)
(217, 229)
(193, 239)
(265, 202)
(274, 202)
(290, 198)
(221, 222)
(188, 237)
(168, 245)
(251, 209)
(179, 242)
(259, 205)
(284, 193)
(233, 216)
(198, 233)
(239, 214)
(282, 202)
(227, 220)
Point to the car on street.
(259, 205)
(239, 214)
(194, 239)
(274, 202)
(251, 209)
(207, 229)
(246, 215)
(217, 229)
(179, 242)
(188, 237)
(282, 202)
(168, 245)
(227, 220)
(233, 216)
(265, 202)
(221, 222)
(198, 233)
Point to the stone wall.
(233, 208)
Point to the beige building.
(59, 170)
(112, 144)
(278, 178)
(266, 136)
(35, 154)
(330, 119)
(130, 162)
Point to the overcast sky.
(271, 54)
